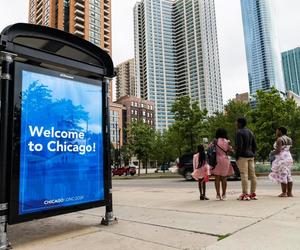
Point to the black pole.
(109, 218)
(6, 79)
(119, 141)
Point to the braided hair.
(202, 156)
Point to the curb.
(173, 176)
(144, 176)
(296, 173)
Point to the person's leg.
(289, 184)
(204, 190)
(283, 190)
(200, 189)
(224, 186)
(252, 177)
(243, 167)
(290, 189)
(217, 186)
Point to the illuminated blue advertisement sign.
(61, 142)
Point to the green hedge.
(266, 168)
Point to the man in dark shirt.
(245, 153)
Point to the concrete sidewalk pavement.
(168, 218)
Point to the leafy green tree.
(189, 122)
(271, 112)
(126, 153)
(226, 120)
(140, 139)
(163, 150)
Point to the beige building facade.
(125, 79)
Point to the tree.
(126, 153)
(189, 122)
(226, 120)
(163, 150)
(141, 137)
(271, 112)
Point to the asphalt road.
(263, 183)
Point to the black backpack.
(212, 154)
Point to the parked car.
(163, 167)
(126, 170)
(185, 168)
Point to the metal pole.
(6, 78)
(120, 159)
(109, 218)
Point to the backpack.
(212, 154)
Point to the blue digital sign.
(61, 142)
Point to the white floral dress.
(281, 171)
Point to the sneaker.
(224, 198)
(206, 198)
(219, 198)
(244, 197)
(253, 196)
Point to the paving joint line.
(263, 219)
(143, 240)
(190, 212)
(173, 228)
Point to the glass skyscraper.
(262, 48)
(176, 53)
(291, 70)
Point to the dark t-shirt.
(245, 143)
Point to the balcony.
(79, 19)
(39, 4)
(79, 26)
(79, 6)
(79, 13)
(39, 22)
(39, 17)
(79, 33)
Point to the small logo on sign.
(66, 76)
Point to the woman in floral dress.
(283, 162)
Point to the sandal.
(283, 195)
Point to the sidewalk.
(169, 218)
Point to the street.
(263, 184)
(167, 214)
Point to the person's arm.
(278, 147)
(238, 144)
(230, 148)
(195, 162)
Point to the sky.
(230, 34)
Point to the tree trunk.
(146, 166)
(139, 171)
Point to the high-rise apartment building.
(176, 53)
(291, 70)
(125, 79)
(262, 47)
(89, 19)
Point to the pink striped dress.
(202, 172)
(224, 167)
